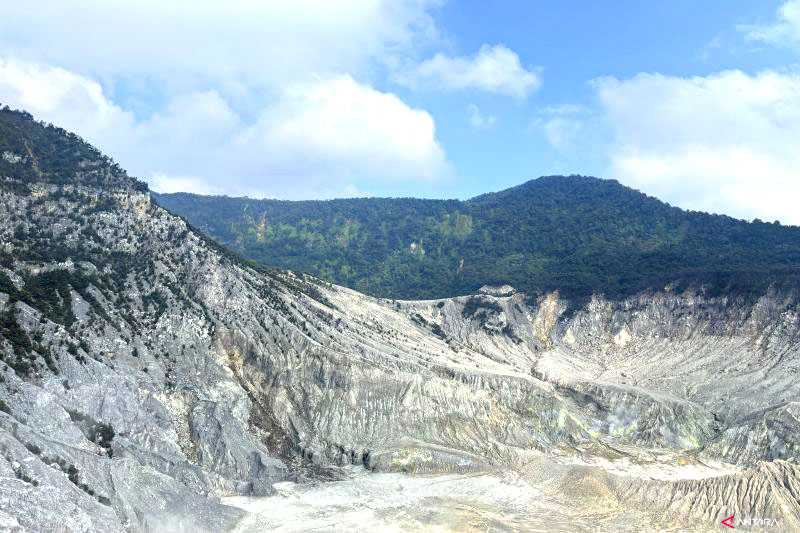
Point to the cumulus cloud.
(784, 31)
(561, 124)
(233, 46)
(316, 138)
(477, 119)
(257, 97)
(61, 97)
(348, 126)
(246, 97)
(562, 132)
(729, 142)
(494, 69)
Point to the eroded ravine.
(222, 380)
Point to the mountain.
(151, 380)
(575, 234)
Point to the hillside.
(150, 380)
(579, 235)
(49, 154)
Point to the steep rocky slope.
(147, 373)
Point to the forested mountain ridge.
(579, 235)
(32, 151)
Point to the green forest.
(31, 150)
(576, 234)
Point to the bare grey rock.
(188, 377)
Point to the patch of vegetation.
(49, 293)
(433, 327)
(22, 475)
(102, 434)
(8, 287)
(72, 475)
(13, 332)
(575, 234)
(43, 152)
(33, 448)
(157, 301)
(475, 306)
(508, 331)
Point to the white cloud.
(562, 125)
(562, 110)
(729, 142)
(244, 96)
(164, 183)
(784, 31)
(61, 97)
(234, 47)
(348, 126)
(494, 69)
(477, 119)
(562, 132)
(316, 139)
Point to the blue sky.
(696, 103)
(574, 42)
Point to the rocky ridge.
(147, 372)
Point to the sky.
(696, 103)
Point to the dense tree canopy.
(577, 234)
(35, 151)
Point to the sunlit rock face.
(168, 385)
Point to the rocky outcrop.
(147, 372)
